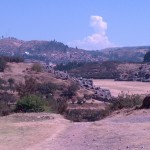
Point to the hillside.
(44, 130)
(58, 52)
(52, 51)
(128, 54)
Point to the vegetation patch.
(5, 103)
(36, 67)
(84, 115)
(147, 57)
(30, 103)
(126, 101)
(96, 70)
(2, 64)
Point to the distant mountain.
(58, 52)
(123, 54)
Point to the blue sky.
(88, 24)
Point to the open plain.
(129, 87)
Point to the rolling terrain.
(58, 52)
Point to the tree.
(27, 88)
(11, 81)
(2, 64)
(147, 57)
(70, 91)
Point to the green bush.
(30, 103)
(126, 101)
(36, 67)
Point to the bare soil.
(126, 129)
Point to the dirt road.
(123, 130)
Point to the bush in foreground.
(30, 103)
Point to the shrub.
(28, 88)
(2, 83)
(70, 91)
(16, 59)
(11, 81)
(126, 101)
(46, 88)
(30, 103)
(4, 108)
(80, 115)
(36, 67)
(59, 105)
(5, 103)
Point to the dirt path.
(123, 130)
(114, 133)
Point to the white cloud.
(98, 39)
(98, 24)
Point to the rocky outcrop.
(138, 74)
(99, 93)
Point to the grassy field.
(126, 86)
